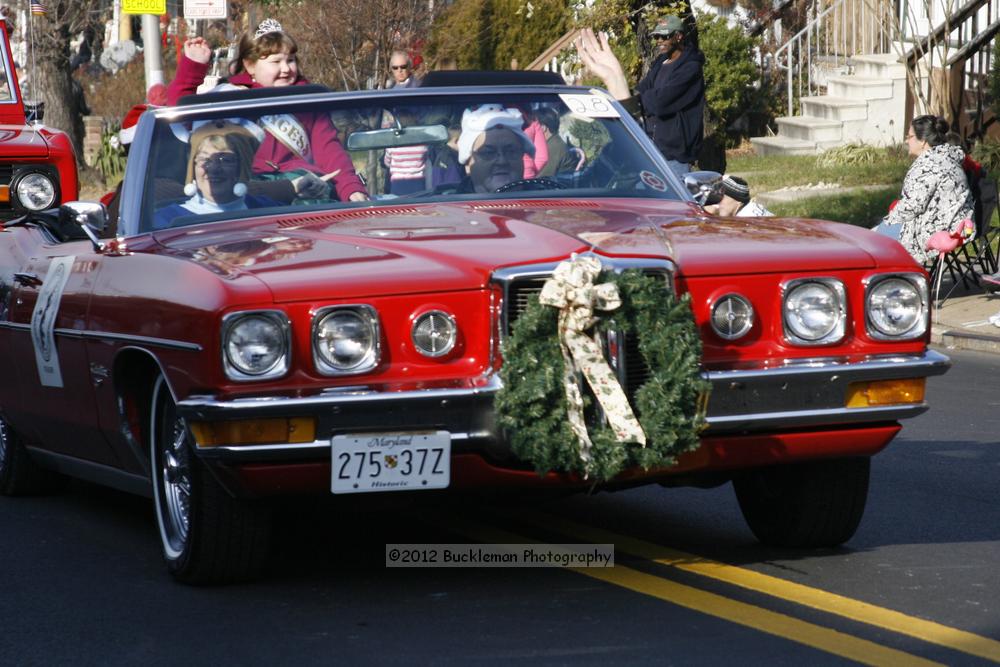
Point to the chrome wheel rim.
(172, 469)
(176, 478)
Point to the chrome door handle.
(27, 279)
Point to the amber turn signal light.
(254, 431)
(885, 392)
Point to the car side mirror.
(34, 111)
(91, 217)
(705, 187)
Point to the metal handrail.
(822, 31)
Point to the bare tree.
(50, 36)
(346, 43)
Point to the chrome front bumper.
(752, 399)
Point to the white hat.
(486, 117)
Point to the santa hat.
(487, 117)
(129, 123)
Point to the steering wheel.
(543, 183)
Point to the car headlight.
(434, 333)
(732, 317)
(35, 191)
(896, 307)
(814, 311)
(256, 345)
(346, 340)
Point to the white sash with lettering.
(287, 129)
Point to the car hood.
(426, 248)
(22, 141)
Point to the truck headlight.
(35, 191)
(346, 340)
(896, 307)
(814, 311)
(256, 345)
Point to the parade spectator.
(401, 69)
(736, 201)
(936, 194)
(218, 171)
(561, 158)
(303, 148)
(670, 98)
(492, 146)
(535, 162)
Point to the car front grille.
(521, 287)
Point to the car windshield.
(331, 151)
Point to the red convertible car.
(263, 324)
(37, 163)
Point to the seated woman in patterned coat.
(936, 194)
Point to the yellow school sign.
(144, 6)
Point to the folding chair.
(975, 258)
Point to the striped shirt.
(405, 163)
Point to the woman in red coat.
(302, 147)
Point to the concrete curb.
(955, 339)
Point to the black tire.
(207, 535)
(19, 475)
(816, 504)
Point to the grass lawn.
(771, 172)
(853, 205)
(856, 207)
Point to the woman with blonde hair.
(303, 148)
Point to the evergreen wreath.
(669, 405)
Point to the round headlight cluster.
(346, 340)
(35, 191)
(732, 317)
(814, 312)
(255, 346)
(896, 308)
(434, 333)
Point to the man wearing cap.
(492, 146)
(736, 201)
(670, 99)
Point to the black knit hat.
(737, 188)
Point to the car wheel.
(207, 535)
(19, 475)
(817, 504)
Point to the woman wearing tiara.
(304, 147)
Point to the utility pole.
(152, 53)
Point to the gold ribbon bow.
(571, 289)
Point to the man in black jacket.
(670, 99)
(672, 96)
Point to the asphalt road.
(82, 583)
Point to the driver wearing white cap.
(492, 147)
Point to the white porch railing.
(835, 33)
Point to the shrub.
(987, 153)
(110, 158)
(730, 71)
(851, 154)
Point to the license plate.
(391, 462)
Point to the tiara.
(266, 26)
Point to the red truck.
(37, 163)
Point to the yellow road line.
(928, 631)
(742, 613)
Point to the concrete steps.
(865, 106)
